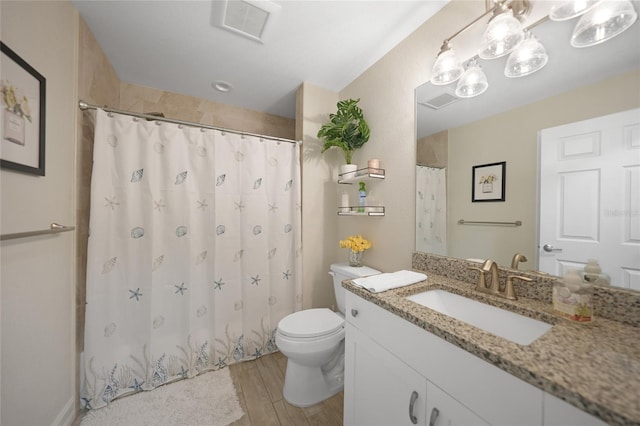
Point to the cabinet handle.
(354, 312)
(412, 402)
(434, 416)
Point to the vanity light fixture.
(503, 34)
(500, 40)
(473, 82)
(603, 22)
(527, 58)
(447, 68)
(566, 10)
(600, 21)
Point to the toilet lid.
(311, 323)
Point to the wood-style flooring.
(259, 385)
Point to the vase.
(347, 171)
(355, 258)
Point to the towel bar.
(55, 228)
(475, 222)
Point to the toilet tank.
(341, 272)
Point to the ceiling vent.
(440, 101)
(248, 18)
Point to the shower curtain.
(194, 252)
(431, 210)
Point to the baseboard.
(67, 414)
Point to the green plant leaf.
(347, 129)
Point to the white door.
(590, 197)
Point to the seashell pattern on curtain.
(194, 252)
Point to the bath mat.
(209, 399)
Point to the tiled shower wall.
(99, 84)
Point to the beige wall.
(319, 196)
(37, 277)
(513, 137)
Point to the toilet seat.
(311, 323)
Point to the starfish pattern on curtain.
(194, 252)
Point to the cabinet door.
(379, 388)
(443, 410)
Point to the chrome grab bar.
(476, 222)
(55, 228)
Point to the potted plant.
(347, 129)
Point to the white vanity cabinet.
(382, 389)
(397, 373)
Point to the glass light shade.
(473, 82)
(570, 9)
(603, 22)
(447, 68)
(527, 58)
(502, 35)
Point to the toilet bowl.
(313, 342)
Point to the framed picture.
(22, 101)
(488, 182)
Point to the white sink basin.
(515, 327)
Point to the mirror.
(502, 125)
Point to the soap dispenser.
(572, 297)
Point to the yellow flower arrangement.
(356, 243)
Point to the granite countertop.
(593, 366)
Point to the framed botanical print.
(488, 182)
(22, 99)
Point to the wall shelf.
(361, 211)
(367, 173)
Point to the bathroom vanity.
(406, 364)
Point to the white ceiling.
(173, 45)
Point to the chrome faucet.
(517, 258)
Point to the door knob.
(549, 248)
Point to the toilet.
(313, 342)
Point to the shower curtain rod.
(85, 106)
(432, 167)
